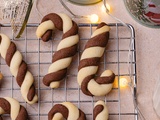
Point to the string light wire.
(130, 61)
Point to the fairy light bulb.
(104, 9)
(123, 82)
(94, 18)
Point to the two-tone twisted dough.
(66, 110)
(11, 106)
(100, 111)
(66, 49)
(90, 59)
(18, 69)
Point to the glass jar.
(156, 97)
(17, 12)
(146, 12)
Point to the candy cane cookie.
(66, 110)
(18, 69)
(11, 106)
(100, 111)
(66, 49)
(88, 67)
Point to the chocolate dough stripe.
(21, 73)
(97, 109)
(4, 104)
(106, 80)
(31, 93)
(64, 53)
(81, 115)
(47, 35)
(22, 114)
(54, 76)
(89, 62)
(10, 52)
(84, 85)
(58, 108)
(73, 31)
(67, 47)
(98, 40)
(101, 25)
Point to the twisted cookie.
(18, 69)
(89, 62)
(100, 111)
(66, 49)
(66, 110)
(11, 106)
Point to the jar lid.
(84, 2)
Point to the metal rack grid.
(37, 54)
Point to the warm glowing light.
(94, 18)
(123, 82)
(104, 9)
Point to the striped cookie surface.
(18, 68)
(11, 106)
(89, 62)
(66, 49)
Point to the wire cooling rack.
(120, 57)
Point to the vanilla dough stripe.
(18, 68)
(66, 49)
(66, 110)
(89, 62)
(11, 106)
(100, 111)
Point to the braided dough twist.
(89, 62)
(18, 69)
(66, 49)
(100, 111)
(11, 106)
(66, 110)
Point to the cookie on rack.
(18, 68)
(66, 49)
(66, 110)
(100, 111)
(89, 62)
(11, 106)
